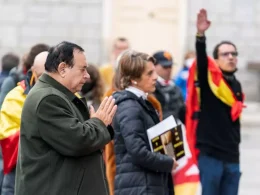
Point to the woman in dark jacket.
(138, 170)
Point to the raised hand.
(106, 111)
(202, 21)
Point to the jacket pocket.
(80, 180)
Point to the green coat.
(60, 147)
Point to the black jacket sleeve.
(182, 113)
(202, 61)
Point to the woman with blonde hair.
(109, 148)
(138, 169)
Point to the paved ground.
(250, 161)
(250, 151)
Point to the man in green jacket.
(61, 141)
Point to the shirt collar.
(139, 93)
(163, 82)
(48, 79)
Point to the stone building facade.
(150, 25)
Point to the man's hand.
(175, 164)
(202, 22)
(106, 111)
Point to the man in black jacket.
(167, 93)
(218, 136)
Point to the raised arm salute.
(214, 104)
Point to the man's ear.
(32, 68)
(62, 69)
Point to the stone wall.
(27, 22)
(237, 21)
(24, 23)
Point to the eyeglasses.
(226, 54)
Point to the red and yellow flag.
(220, 89)
(186, 176)
(10, 116)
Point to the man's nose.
(230, 55)
(155, 76)
(86, 75)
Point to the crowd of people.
(71, 127)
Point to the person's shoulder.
(183, 74)
(106, 67)
(176, 88)
(40, 89)
(8, 81)
(14, 98)
(126, 101)
(38, 93)
(16, 92)
(7, 85)
(129, 109)
(129, 104)
(2, 78)
(40, 98)
(124, 96)
(14, 70)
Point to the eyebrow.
(84, 66)
(150, 72)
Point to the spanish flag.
(186, 176)
(10, 119)
(220, 89)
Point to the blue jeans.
(218, 177)
(8, 183)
